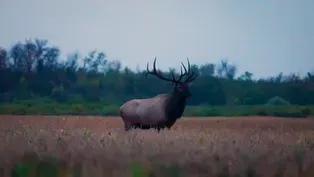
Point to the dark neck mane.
(175, 106)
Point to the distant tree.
(247, 76)
(226, 70)
(207, 69)
(4, 63)
(33, 69)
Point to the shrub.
(111, 110)
(306, 112)
(78, 108)
(288, 114)
(277, 101)
(6, 97)
(59, 94)
(262, 112)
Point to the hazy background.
(263, 37)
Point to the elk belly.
(150, 114)
(152, 119)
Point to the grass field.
(99, 146)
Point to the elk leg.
(127, 126)
(135, 126)
(158, 129)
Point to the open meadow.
(99, 146)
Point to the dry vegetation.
(98, 146)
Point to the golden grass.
(197, 147)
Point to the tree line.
(33, 69)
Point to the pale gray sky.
(264, 37)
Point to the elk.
(163, 110)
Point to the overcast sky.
(261, 36)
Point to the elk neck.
(175, 106)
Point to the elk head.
(180, 87)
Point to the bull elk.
(163, 110)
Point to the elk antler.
(190, 77)
(159, 73)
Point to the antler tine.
(189, 66)
(151, 72)
(185, 71)
(182, 74)
(180, 70)
(154, 65)
(158, 73)
(147, 72)
(191, 78)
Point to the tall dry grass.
(180, 152)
